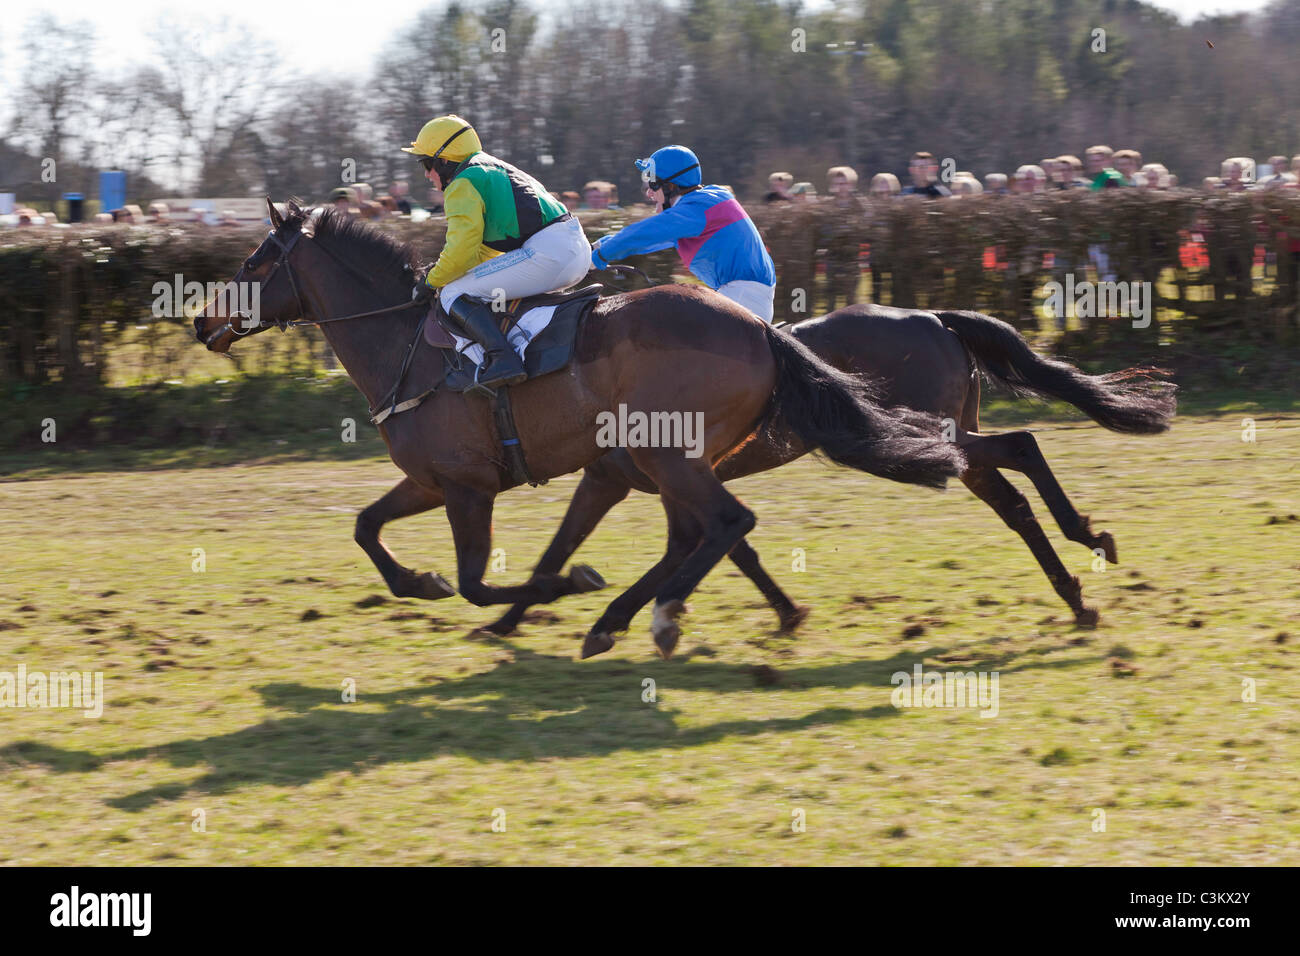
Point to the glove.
(423, 292)
(597, 262)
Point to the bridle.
(242, 323)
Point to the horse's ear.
(276, 219)
(294, 208)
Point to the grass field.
(224, 687)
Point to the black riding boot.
(501, 366)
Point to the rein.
(244, 326)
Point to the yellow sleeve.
(463, 249)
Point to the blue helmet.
(672, 164)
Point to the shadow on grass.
(532, 707)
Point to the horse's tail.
(1136, 400)
(836, 413)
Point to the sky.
(360, 29)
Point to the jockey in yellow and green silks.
(507, 237)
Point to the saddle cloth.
(541, 328)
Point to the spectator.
(996, 184)
(803, 192)
(1237, 173)
(1211, 182)
(1280, 181)
(843, 184)
(434, 205)
(883, 184)
(596, 194)
(158, 212)
(779, 188)
(925, 175)
(965, 184)
(401, 193)
(1074, 170)
(572, 201)
(1278, 165)
(842, 237)
(344, 200)
(1100, 172)
(1153, 176)
(1058, 173)
(1029, 179)
(1127, 161)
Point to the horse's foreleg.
(1019, 451)
(1013, 508)
(407, 498)
(790, 614)
(470, 512)
(595, 496)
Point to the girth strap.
(514, 451)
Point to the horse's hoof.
(1087, 617)
(790, 620)
(664, 627)
(597, 642)
(1106, 541)
(427, 587)
(502, 627)
(585, 578)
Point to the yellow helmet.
(447, 137)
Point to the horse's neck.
(372, 349)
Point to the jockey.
(507, 237)
(713, 234)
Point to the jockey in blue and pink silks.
(715, 237)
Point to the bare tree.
(51, 91)
(216, 81)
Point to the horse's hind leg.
(1019, 451)
(595, 496)
(1013, 508)
(691, 485)
(790, 614)
(405, 499)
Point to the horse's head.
(263, 293)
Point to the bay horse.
(655, 351)
(932, 362)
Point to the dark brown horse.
(930, 362)
(662, 350)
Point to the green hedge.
(67, 296)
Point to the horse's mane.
(379, 250)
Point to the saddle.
(549, 352)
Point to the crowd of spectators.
(1100, 168)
